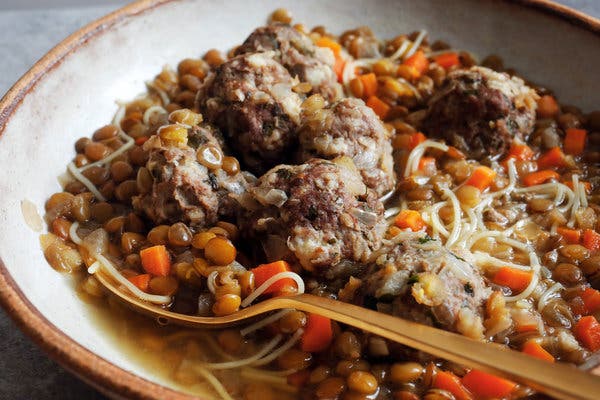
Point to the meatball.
(297, 52)
(350, 128)
(480, 111)
(183, 190)
(250, 99)
(429, 284)
(318, 215)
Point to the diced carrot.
(418, 62)
(448, 381)
(547, 107)
(587, 331)
(591, 300)
(482, 177)
(141, 140)
(591, 240)
(571, 236)
(409, 219)
(141, 281)
(265, 271)
(526, 328)
(586, 185)
(156, 261)
(575, 141)
(416, 139)
(447, 60)
(520, 151)
(380, 107)
(369, 82)
(552, 158)
(485, 385)
(324, 41)
(513, 278)
(539, 177)
(317, 334)
(427, 165)
(455, 153)
(299, 378)
(338, 68)
(534, 349)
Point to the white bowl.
(72, 91)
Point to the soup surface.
(401, 175)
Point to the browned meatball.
(297, 52)
(350, 128)
(183, 190)
(250, 99)
(481, 111)
(427, 283)
(318, 215)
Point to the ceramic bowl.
(72, 90)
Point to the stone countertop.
(27, 34)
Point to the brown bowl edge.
(94, 370)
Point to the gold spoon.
(556, 379)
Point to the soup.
(401, 175)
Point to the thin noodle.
(286, 346)
(400, 51)
(129, 142)
(264, 322)
(544, 298)
(416, 43)
(282, 275)
(116, 275)
(219, 388)
(73, 233)
(412, 163)
(456, 223)
(246, 361)
(152, 110)
(86, 182)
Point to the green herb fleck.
(458, 258)
(414, 278)
(425, 239)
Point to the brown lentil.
(406, 372)
(362, 382)
(106, 132)
(575, 252)
(220, 251)
(179, 234)
(330, 388)
(163, 285)
(347, 346)
(131, 241)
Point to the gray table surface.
(28, 29)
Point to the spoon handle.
(556, 379)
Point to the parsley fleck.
(425, 239)
(413, 279)
(457, 257)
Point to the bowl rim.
(88, 366)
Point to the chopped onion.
(272, 197)
(366, 217)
